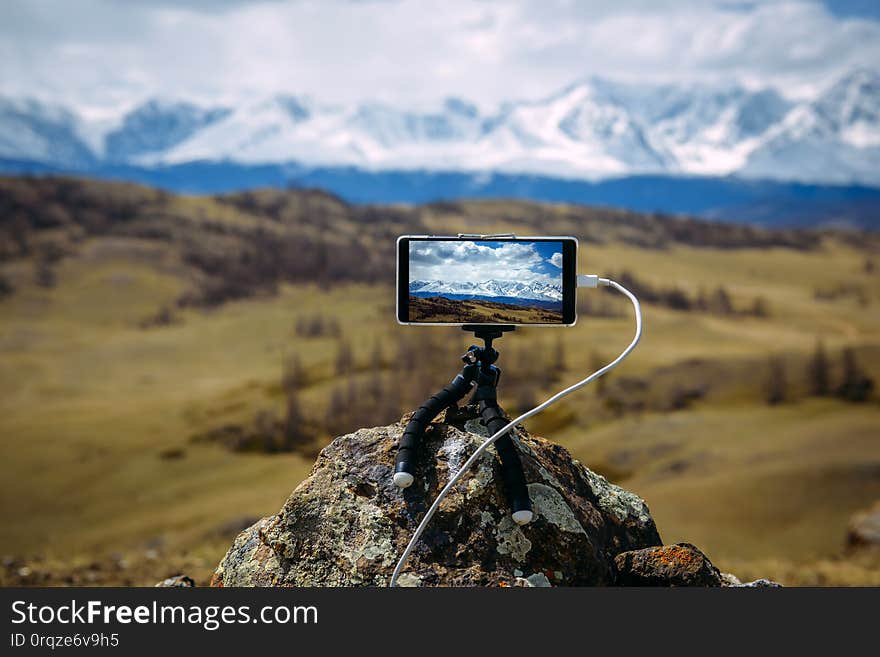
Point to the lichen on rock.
(681, 564)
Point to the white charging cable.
(583, 281)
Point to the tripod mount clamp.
(488, 332)
(487, 236)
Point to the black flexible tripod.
(480, 375)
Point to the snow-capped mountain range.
(593, 129)
(535, 291)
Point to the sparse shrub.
(559, 363)
(44, 274)
(818, 372)
(842, 291)
(855, 385)
(292, 374)
(265, 436)
(627, 395)
(336, 418)
(390, 403)
(377, 358)
(19, 234)
(6, 287)
(52, 252)
(344, 363)
(776, 385)
(598, 361)
(317, 326)
(172, 454)
(296, 432)
(677, 299)
(525, 397)
(163, 317)
(720, 302)
(760, 307)
(682, 396)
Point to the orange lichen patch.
(675, 554)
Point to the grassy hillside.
(154, 348)
(440, 309)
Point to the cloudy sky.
(101, 55)
(457, 261)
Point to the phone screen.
(503, 281)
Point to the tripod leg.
(415, 429)
(511, 466)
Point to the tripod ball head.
(476, 354)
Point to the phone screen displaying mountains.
(485, 282)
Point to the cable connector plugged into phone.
(592, 280)
(588, 280)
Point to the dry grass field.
(107, 380)
(442, 310)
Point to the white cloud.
(468, 261)
(103, 54)
(555, 260)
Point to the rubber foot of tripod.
(521, 507)
(402, 477)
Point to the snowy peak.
(157, 126)
(513, 289)
(835, 138)
(591, 129)
(391, 127)
(580, 130)
(31, 130)
(851, 108)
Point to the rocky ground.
(132, 568)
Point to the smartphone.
(451, 281)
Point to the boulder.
(347, 524)
(176, 582)
(762, 583)
(864, 529)
(681, 564)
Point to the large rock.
(681, 564)
(176, 582)
(347, 524)
(864, 529)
